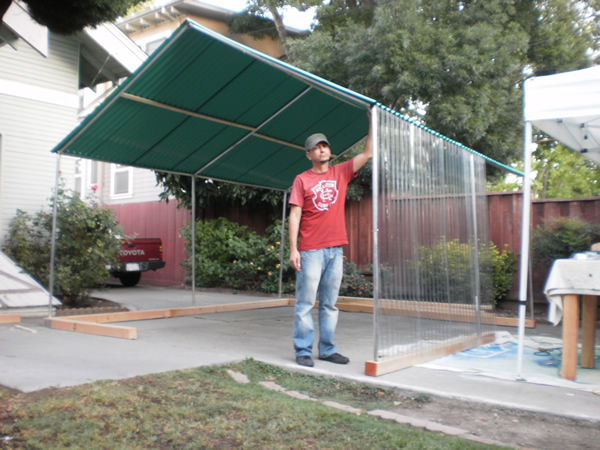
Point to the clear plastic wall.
(432, 261)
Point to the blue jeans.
(321, 273)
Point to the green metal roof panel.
(204, 105)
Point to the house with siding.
(42, 75)
(49, 83)
(132, 192)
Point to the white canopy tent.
(566, 106)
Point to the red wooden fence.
(163, 220)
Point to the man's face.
(320, 153)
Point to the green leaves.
(437, 262)
(560, 237)
(457, 64)
(230, 255)
(87, 241)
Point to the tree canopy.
(455, 66)
(71, 16)
(557, 173)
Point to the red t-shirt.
(322, 197)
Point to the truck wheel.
(130, 279)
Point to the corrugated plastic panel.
(205, 105)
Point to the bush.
(87, 241)
(354, 283)
(445, 272)
(231, 256)
(560, 237)
(504, 266)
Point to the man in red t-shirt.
(317, 217)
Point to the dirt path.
(512, 427)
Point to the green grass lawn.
(206, 408)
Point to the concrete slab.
(47, 358)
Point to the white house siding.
(144, 187)
(38, 108)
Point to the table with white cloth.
(568, 281)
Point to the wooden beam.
(100, 329)
(569, 335)
(514, 322)
(456, 312)
(589, 314)
(10, 318)
(388, 365)
(96, 323)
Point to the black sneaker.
(335, 358)
(305, 361)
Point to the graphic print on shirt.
(326, 194)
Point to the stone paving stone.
(239, 377)
(300, 396)
(342, 407)
(418, 423)
(451, 431)
(383, 414)
(481, 440)
(272, 386)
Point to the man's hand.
(295, 216)
(295, 260)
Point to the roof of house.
(178, 9)
(106, 53)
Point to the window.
(79, 177)
(121, 180)
(151, 46)
(93, 168)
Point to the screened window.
(79, 177)
(121, 180)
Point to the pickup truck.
(137, 256)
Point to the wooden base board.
(97, 323)
(10, 318)
(388, 365)
(429, 310)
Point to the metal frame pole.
(282, 246)
(475, 244)
(193, 240)
(375, 219)
(53, 237)
(525, 226)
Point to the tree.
(252, 19)
(559, 173)
(71, 16)
(211, 192)
(455, 65)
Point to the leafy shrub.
(504, 266)
(232, 256)
(87, 241)
(445, 272)
(559, 237)
(354, 283)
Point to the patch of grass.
(358, 395)
(205, 408)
